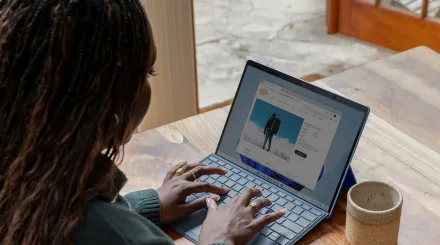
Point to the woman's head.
(72, 86)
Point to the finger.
(200, 203)
(199, 187)
(260, 203)
(172, 171)
(211, 204)
(265, 219)
(248, 194)
(203, 170)
(188, 167)
(192, 166)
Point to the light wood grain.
(384, 153)
(403, 90)
(174, 87)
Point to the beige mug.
(373, 214)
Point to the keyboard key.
(273, 197)
(227, 199)
(212, 158)
(215, 176)
(250, 185)
(221, 163)
(230, 183)
(235, 170)
(218, 184)
(303, 222)
(242, 181)
(298, 210)
(274, 235)
(315, 211)
(222, 179)
(258, 182)
(265, 186)
(237, 187)
(308, 215)
(305, 206)
(203, 177)
(250, 178)
(283, 231)
(191, 198)
(273, 238)
(289, 198)
(198, 195)
(282, 240)
(264, 211)
(276, 207)
(210, 180)
(232, 193)
(265, 231)
(235, 177)
(289, 206)
(229, 173)
(281, 201)
(297, 202)
(280, 220)
(228, 166)
(273, 190)
(266, 193)
(292, 226)
(206, 161)
(243, 174)
(270, 225)
(282, 194)
(293, 217)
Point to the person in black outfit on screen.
(271, 129)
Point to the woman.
(72, 90)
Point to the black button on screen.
(301, 154)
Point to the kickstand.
(350, 179)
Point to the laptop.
(292, 140)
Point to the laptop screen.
(298, 136)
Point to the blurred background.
(203, 44)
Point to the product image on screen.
(272, 129)
(288, 134)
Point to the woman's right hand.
(234, 222)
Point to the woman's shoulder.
(113, 223)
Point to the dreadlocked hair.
(67, 69)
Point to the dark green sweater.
(117, 223)
(133, 220)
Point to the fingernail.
(214, 197)
(208, 202)
(283, 211)
(225, 170)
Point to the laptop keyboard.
(299, 215)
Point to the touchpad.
(191, 225)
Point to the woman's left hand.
(176, 188)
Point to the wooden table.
(400, 144)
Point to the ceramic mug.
(373, 214)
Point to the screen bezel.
(355, 105)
